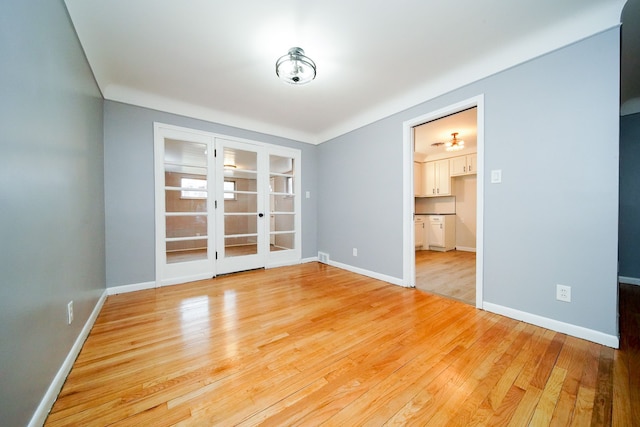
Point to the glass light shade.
(296, 68)
(455, 144)
(459, 145)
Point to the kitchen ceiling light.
(455, 144)
(296, 68)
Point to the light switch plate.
(496, 176)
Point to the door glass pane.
(186, 226)
(281, 165)
(186, 193)
(240, 202)
(185, 153)
(282, 241)
(239, 246)
(283, 223)
(240, 224)
(281, 203)
(186, 250)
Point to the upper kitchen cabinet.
(417, 179)
(436, 178)
(464, 165)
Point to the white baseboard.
(115, 290)
(555, 325)
(465, 249)
(41, 413)
(629, 280)
(372, 274)
(310, 259)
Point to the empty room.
(212, 213)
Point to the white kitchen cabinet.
(442, 232)
(420, 231)
(436, 178)
(472, 163)
(417, 179)
(464, 165)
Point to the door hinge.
(216, 254)
(215, 152)
(215, 204)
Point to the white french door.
(240, 212)
(284, 196)
(184, 169)
(223, 205)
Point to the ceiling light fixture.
(455, 144)
(295, 67)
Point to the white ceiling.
(215, 59)
(440, 130)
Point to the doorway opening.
(445, 182)
(443, 202)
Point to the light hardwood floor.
(451, 274)
(313, 344)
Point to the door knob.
(260, 214)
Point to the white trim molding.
(124, 289)
(49, 398)
(555, 325)
(408, 201)
(629, 280)
(368, 273)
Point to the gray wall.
(51, 199)
(551, 125)
(360, 203)
(129, 187)
(629, 231)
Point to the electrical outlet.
(563, 293)
(70, 312)
(355, 251)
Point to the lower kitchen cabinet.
(420, 224)
(442, 232)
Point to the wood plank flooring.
(316, 345)
(451, 274)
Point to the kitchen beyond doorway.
(447, 273)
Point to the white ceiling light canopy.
(295, 67)
(455, 144)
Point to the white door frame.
(408, 205)
(186, 271)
